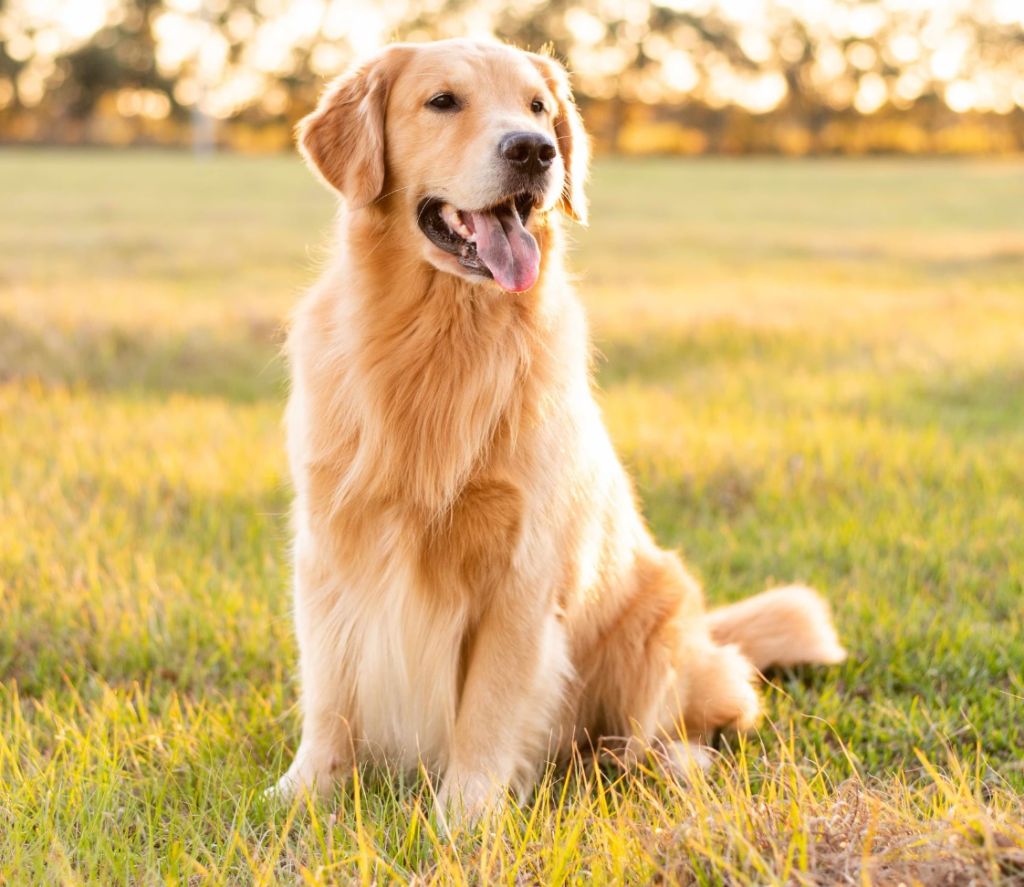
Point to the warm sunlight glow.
(864, 54)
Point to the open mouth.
(491, 242)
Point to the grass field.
(815, 371)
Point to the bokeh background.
(668, 76)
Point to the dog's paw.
(464, 798)
(682, 759)
(283, 791)
(305, 777)
(685, 759)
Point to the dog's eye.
(537, 106)
(444, 101)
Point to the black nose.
(530, 152)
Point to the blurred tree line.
(673, 76)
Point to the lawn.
(815, 371)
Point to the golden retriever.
(476, 591)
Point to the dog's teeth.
(453, 219)
(451, 216)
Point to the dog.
(475, 590)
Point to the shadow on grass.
(981, 402)
(657, 357)
(244, 363)
(241, 364)
(972, 403)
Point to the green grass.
(814, 370)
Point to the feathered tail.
(782, 627)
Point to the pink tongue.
(507, 248)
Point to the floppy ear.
(573, 144)
(343, 139)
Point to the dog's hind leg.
(661, 685)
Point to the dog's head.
(465, 143)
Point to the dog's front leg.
(325, 754)
(515, 681)
(326, 751)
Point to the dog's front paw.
(465, 797)
(307, 776)
(282, 791)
